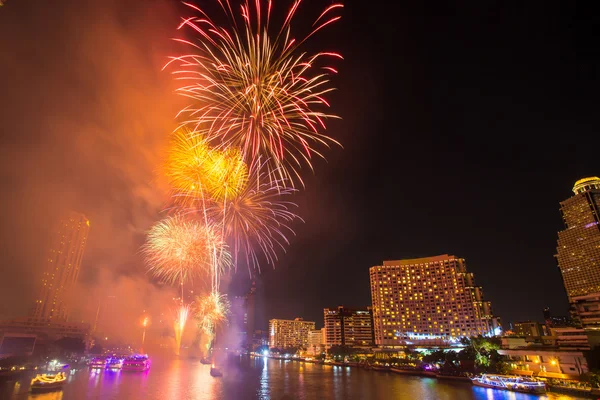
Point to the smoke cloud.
(85, 113)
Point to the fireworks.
(179, 249)
(211, 311)
(254, 90)
(180, 321)
(187, 166)
(256, 116)
(227, 174)
(258, 219)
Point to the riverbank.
(421, 372)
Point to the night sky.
(463, 127)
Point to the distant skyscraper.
(427, 298)
(348, 327)
(289, 333)
(250, 314)
(579, 244)
(62, 267)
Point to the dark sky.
(463, 128)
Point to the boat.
(114, 362)
(98, 363)
(215, 372)
(510, 382)
(138, 362)
(205, 361)
(46, 382)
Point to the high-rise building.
(62, 267)
(315, 342)
(428, 298)
(348, 327)
(528, 328)
(579, 244)
(242, 317)
(578, 252)
(285, 333)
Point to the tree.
(451, 359)
(437, 356)
(485, 351)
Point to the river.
(186, 379)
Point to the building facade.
(348, 327)
(529, 328)
(315, 342)
(284, 333)
(45, 330)
(578, 250)
(62, 267)
(428, 298)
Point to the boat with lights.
(138, 362)
(510, 382)
(98, 363)
(47, 382)
(115, 362)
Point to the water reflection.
(259, 378)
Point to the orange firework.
(227, 174)
(178, 249)
(251, 87)
(180, 321)
(188, 166)
(211, 311)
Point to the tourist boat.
(98, 363)
(205, 361)
(138, 362)
(114, 362)
(508, 382)
(46, 382)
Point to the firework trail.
(251, 87)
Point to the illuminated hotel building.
(348, 327)
(432, 298)
(289, 333)
(579, 251)
(62, 267)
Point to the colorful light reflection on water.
(259, 378)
